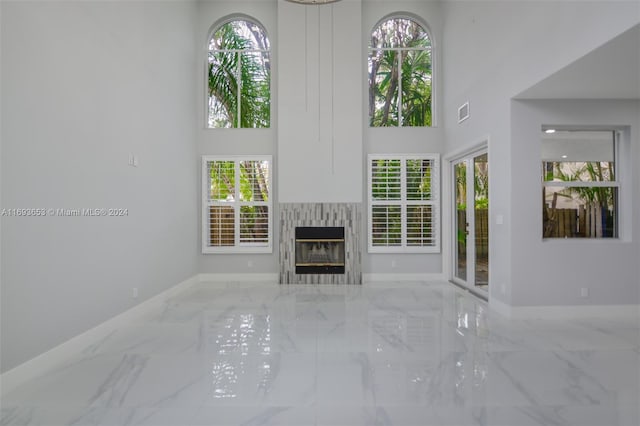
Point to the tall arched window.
(400, 84)
(239, 75)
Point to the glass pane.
(223, 89)
(419, 179)
(568, 171)
(221, 226)
(254, 225)
(578, 155)
(420, 226)
(383, 88)
(460, 175)
(222, 180)
(416, 88)
(386, 226)
(399, 32)
(385, 79)
(255, 108)
(386, 179)
(481, 219)
(579, 212)
(239, 34)
(239, 64)
(254, 180)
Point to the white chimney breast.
(320, 56)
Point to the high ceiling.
(611, 71)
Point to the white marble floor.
(395, 354)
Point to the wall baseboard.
(228, 278)
(564, 312)
(46, 361)
(391, 278)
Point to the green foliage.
(584, 172)
(480, 184)
(247, 73)
(482, 203)
(387, 84)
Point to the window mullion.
(399, 55)
(403, 201)
(236, 203)
(582, 184)
(239, 88)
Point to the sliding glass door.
(471, 221)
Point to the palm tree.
(413, 76)
(239, 71)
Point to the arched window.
(400, 84)
(239, 75)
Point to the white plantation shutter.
(404, 203)
(386, 179)
(236, 204)
(254, 225)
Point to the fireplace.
(319, 250)
(320, 243)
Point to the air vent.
(463, 112)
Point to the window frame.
(403, 202)
(214, 29)
(237, 203)
(398, 50)
(616, 183)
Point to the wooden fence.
(588, 221)
(482, 231)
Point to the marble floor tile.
(412, 354)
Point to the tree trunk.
(393, 85)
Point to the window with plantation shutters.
(404, 203)
(236, 213)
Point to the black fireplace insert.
(319, 250)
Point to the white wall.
(319, 103)
(493, 51)
(552, 272)
(83, 85)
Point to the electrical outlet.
(133, 160)
(134, 292)
(584, 292)
(250, 263)
(394, 263)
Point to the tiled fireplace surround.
(348, 215)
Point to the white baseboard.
(227, 278)
(564, 312)
(56, 356)
(500, 307)
(391, 278)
